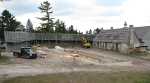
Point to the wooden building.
(123, 39)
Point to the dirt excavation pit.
(60, 56)
(58, 59)
(79, 56)
(64, 56)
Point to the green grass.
(139, 54)
(144, 55)
(4, 60)
(85, 77)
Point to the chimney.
(131, 26)
(125, 24)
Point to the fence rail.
(27, 36)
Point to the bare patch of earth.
(72, 59)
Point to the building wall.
(123, 48)
(134, 42)
(146, 40)
(110, 46)
(147, 43)
(120, 47)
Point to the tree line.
(8, 22)
(93, 32)
(49, 25)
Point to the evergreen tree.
(90, 31)
(57, 25)
(1, 30)
(47, 25)
(9, 22)
(29, 26)
(75, 32)
(1, 23)
(87, 32)
(71, 29)
(80, 32)
(60, 27)
(96, 31)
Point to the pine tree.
(9, 22)
(87, 32)
(60, 27)
(90, 31)
(96, 31)
(1, 23)
(47, 25)
(71, 29)
(1, 30)
(29, 26)
(57, 26)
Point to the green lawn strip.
(85, 77)
(144, 55)
(4, 60)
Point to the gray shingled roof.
(141, 31)
(121, 35)
(115, 35)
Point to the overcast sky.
(85, 14)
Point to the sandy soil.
(72, 59)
